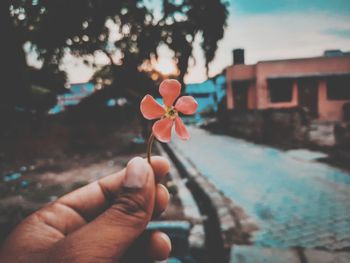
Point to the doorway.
(308, 96)
(240, 95)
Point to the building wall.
(258, 94)
(252, 96)
(295, 67)
(229, 95)
(238, 73)
(241, 72)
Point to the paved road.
(296, 202)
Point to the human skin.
(103, 221)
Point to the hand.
(100, 222)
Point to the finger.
(159, 247)
(94, 198)
(150, 246)
(162, 200)
(112, 232)
(161, 167)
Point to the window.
(338, 88)
(199, 95)
(280, 90)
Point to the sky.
(277, 29)
(266, 29)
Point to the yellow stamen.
(171, 112)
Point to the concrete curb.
(217, 200)
(191, 211)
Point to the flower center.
(171, 112)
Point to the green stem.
(149, 147)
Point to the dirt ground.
(50, 165)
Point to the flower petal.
(186, 105)
(180, 129)
(150, 108)
(170, 89)
(162, 129)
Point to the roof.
(309, 75)
(207, 86)
(345, 56)
(220, 80)
(82, 88)
(76, 93)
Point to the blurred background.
(266, 174)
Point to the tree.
(14, 89)
(83, 27)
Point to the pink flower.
(168, 114)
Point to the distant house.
(320, 85)
(208, 93)
(76, 93)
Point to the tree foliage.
(129, 28)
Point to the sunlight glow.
(166, 66)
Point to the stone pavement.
(297, 203)
(235, 225)
(250, 254)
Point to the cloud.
(343, 33)
(277, 36)
(272, 6)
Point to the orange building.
(320, 85)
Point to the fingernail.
(136, 173)
(166, 238)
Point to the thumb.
(108, 237)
